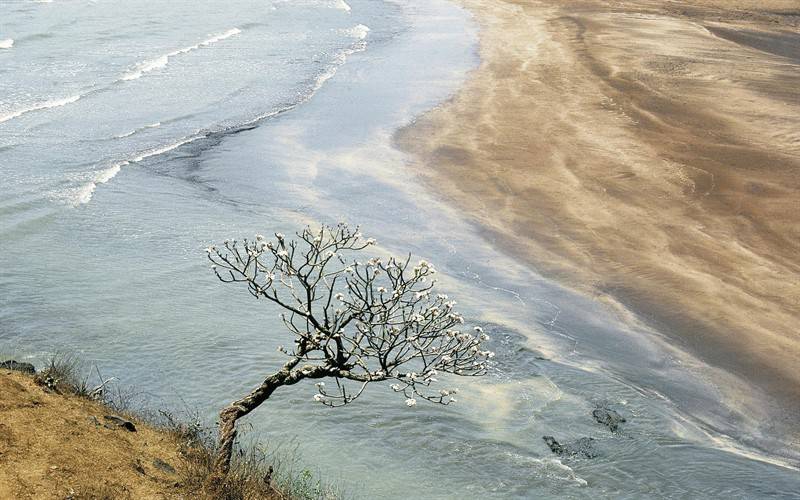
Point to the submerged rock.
(583, 447)
(608, 417)
(16, 366)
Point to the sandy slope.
(54, 446)
(647, 153)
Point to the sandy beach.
(647, 154)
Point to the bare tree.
(352, 321)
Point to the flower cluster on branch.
(356, 321)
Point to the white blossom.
(411, 402)
(318, 397)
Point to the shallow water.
(289, 121)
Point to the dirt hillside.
(64, 447)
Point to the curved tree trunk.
(238, 409)
(233, 412)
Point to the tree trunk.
(236, 410)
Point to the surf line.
(359, 32)
(138, 71)
(160, 62)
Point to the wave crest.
(54, 103)
(147, 66)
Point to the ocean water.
(134, 134)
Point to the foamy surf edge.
(54, 103)
(137, 130)
(144, 67)
(341, 5)
(358, 31)
(83, 194)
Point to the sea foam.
(55, 103)
(137, 130)
(147, 66)
(7, 43)
(358, 31)
(83, 194)
(341, 5)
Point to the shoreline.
(658, 175)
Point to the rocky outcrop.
(608, 417)
(583, 447)
(16, 366)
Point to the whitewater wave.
(341, 5)
(55, 103)
(147, 66)
(358, 31)
(84, 193)
(137, 130)
(7, 43)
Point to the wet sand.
(646, 153)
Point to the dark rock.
(16, 366)
(113, 420)
(554, 445)
(608, 417)
(163, 466)
(583, 447)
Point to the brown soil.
(647, 153)
(56, 446)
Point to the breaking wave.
(84, 193)
(341, 5)
(147, 66)
(55, 103)
(358, 31)
(137, 130)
